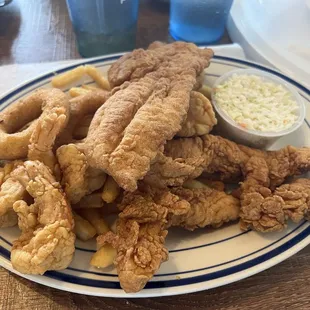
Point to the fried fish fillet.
(145, 111)
(143, 223)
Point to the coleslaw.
(257, 104)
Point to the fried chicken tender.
(47, 240)
(262, 172)
(218, 156)
(139, 240)
(140, 252)
(200, 117)
(143, 223)
(166, 171)
(208, 207)
(296, 196)
(264, 210)
(145, 111)
(78, 179)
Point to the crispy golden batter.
(9, 219)
(10, 192)
(78, 178)
(145, 216)
(44, 135)
(44, 102)
(225, 159)
(139, 240)
(296, 196)
(209, 207)
(46, 241)
(200, 117)
(127, 131)
(166, 171)
(81, 106)
(140, 252)
(264, 210)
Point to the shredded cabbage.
(254, 103)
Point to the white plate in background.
(274, 32)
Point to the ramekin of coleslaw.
(256, 108)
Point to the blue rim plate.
(198, 260)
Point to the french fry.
(83, 229)
(78, 91)
(94, 217)
(113, 226)
(90, 87)
(206, 90)
(110, 190)
(104, 257)
(95, 74)
(193, 184)
(93, 200)
(68, 77)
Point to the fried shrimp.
(79, 179)
(47, 238)
(37, 106)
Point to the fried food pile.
(137, 145)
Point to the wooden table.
(39, 30)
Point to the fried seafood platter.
(115, 173)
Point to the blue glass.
(104, 26)
(198, 21)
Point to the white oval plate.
(198, 260)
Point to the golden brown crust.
(126, 132)
(78, 178)
(24, 111)
(81, 106)
(218, 156)
(142, 224)
(209, 207)
(47, 240)
(264, 210)
(200, 118)
(44, 135)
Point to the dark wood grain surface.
(40, 30)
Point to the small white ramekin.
(254, 138)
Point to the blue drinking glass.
(104, 26)
(198, 21)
